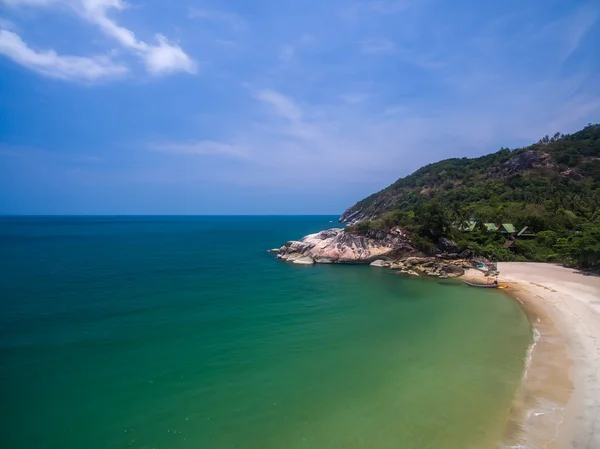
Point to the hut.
(491, 227)
(509, 244)
(526, 232)
(507, 228)
(468, 226)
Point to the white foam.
(536, 338)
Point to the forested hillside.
(552, 186)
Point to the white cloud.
(51, 64)
(202, 148)
(161, 58)
(167, 58)
(282, 105)
(377, 45)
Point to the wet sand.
(558, 406)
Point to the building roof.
(469, 226)
(508, 227)
(526, 232)
(508, 243)
(491, 227)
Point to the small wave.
(536, 339)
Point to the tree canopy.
(552, 186)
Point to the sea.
(185, 333)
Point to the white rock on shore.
(338, 246)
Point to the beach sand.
(558, 406)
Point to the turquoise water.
(183, 333)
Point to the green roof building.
(507, 228)
(526, 232)
(469, 226)
(490, 227)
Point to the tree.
(433, 220)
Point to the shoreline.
(558, 403)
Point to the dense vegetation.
(552, 186)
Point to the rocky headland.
(391, 249)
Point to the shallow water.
(171, 332)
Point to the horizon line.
(167, 215)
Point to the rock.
(298, 246)
(304, 261)
(447, 246)
(380, 263)
(521, 162)
(452, 270)
(274, 250)
(572, 173)
(409, 272)
(411, 261)
(339, 246)
(466, 254)
(432, 273)
(351, 217)
(450, 256)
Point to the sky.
(270, 106)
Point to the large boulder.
(380, 263)
(451, 270)
(447, 246)
(340, 246)
(466, 254)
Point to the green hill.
(552, 186)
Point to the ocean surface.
(184, 333)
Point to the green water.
(184, 333)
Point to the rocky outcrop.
(339, 246)
(432, 266)
(383, 249)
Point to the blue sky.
(265, 106)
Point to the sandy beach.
(559, 402)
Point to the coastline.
(558, 404)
